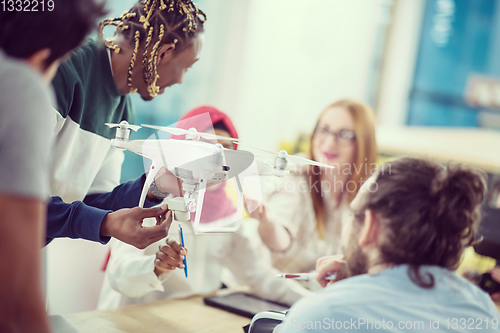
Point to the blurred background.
(429, 68)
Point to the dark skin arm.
(22, 232)
(126, 225)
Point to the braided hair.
(159, 22)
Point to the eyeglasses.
(343, 137)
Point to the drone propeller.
(265, 169)
(283, 154)
(191, 132)
(301, 161)
(124, 125)
(259, 149)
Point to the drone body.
(198, 165)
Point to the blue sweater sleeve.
(83, 219)
(74, 220)
(126, 195)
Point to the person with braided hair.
(159, 40)
(411, 222)
(154, 44)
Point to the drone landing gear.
(149, 179)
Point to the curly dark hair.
(430, 213)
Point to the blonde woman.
(301, 219)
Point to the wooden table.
(184, 315)
(472, 146)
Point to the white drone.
(198, 164)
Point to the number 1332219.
(27, 5)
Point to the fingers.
(163, 267)
(162, 217)
(326, 266)
(170, 252)
(168, 262)
(170, 256)
(167, 222)
(322, 260)
(321, 280)
(151, 212)
(337, 257)
(176, 246)
(167, 217)
(149, 235)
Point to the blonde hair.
(366, 153)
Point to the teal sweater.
(86, 168)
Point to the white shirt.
(290, 204)
(130, 276)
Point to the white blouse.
(290, 204)
(130, 276)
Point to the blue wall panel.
(457, 39)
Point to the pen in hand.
(181, 238)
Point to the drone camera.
(280, 163)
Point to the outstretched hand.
(126, 225)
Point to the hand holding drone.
(199, 164)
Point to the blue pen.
(181, 236)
